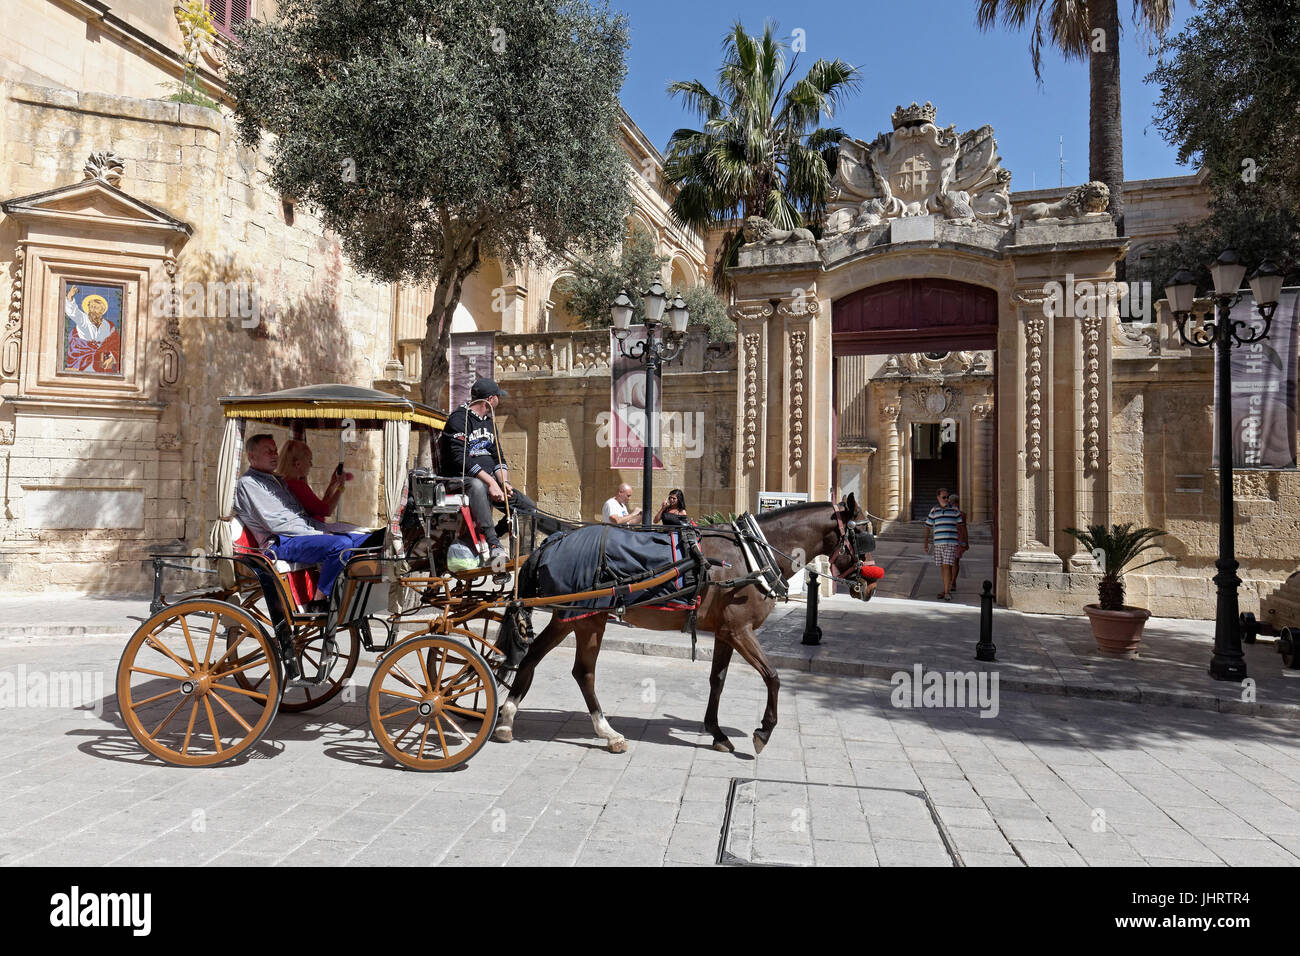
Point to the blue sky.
(911, 51)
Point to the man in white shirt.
(615, 511)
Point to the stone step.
(978, 533)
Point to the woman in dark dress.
(673, 510)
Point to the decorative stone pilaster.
(11, 342)
(751, 411)
(983, 458)
(892, 498)
(173, 358)
(798, 344)
(1092, 393)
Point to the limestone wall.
(559, 387)
(315, 320)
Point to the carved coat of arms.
(919, 170)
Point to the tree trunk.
(1105, 118)
(434, 368)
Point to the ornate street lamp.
(1223, 332)
(652, 353)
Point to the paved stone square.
(848, 778)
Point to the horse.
(732, 610)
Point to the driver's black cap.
(486, 388)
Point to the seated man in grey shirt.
(278, 521)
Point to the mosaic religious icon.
(92, 328)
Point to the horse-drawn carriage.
(201, 680)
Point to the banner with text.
(1263, 390)
(628, 420)
(471, 359)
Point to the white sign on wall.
(770, 501)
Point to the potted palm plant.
(1117, 627)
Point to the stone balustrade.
(533, 354)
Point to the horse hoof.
(503, 735)
(760, 741)
(618, 745)
(723, 745)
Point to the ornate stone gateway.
(922, 261)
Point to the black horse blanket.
(601, 556)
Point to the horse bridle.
(848, 542)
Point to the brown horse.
(732, 613)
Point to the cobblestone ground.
(848, 778)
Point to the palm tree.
(761, 150)
(1079, 29)
(1115, 549)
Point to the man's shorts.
(945, 553)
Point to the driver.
(468, 449)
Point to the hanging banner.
(628, 421)
(470, 359)
(1263, 390)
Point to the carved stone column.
(982, 459)
(892, 499)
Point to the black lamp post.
(1223, 332)
(652, 353)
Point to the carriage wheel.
(422, 703)
(179, 684)
(1288, 645)
(309, 643)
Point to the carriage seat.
(449, 495)
(301, 576)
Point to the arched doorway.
(914, 378)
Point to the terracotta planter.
(1117, 632)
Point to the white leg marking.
(616, 742)
(505, 732)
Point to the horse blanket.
(601, 556)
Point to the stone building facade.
(218, 286)
(1087, 408)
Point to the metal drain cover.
(788, 823)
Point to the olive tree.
(430, 134)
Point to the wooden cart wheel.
(309, 643)
(179, 683)
(422, 701)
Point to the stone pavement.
(1050, 654)
(848, 778)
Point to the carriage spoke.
(398, 739)
(396, 713)
(460, 690)
(163, 722)
(398, 693)
(463, 710)
(220, 700)
(212, 722)
(185, 629)
(240, 666)
(456, 727)
(405, 678)
(419, 754)
(212, 639)
(241, 690)
(153, 673)
(166, 652)
(441, 736)
(166, 693)
(424, 668)
(189, 729)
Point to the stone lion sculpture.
(759, 230)
(1090, 198)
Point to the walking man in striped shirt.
(941, 530)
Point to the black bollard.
(985, 650)
(812, 633)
